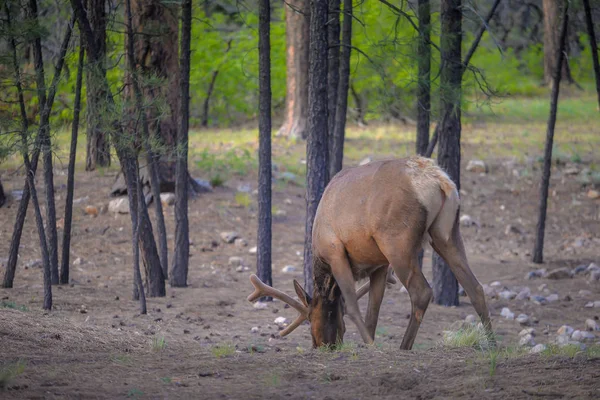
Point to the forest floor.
(198, 341)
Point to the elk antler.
(262, 290)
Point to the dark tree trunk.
(29, 171)
(316, 145)
(424, 80)
(445, 286)
(297, 17)
(127, 157)
(339, 128)
(44, 131)
(24, 203)
(538, 250)
(209, 92)
(66, 244)
(593, 45)
(98, 145)
(333, 76)
(263, 253)
(182, 236)
(2, 195)
(551, 43)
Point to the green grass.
(10, 372)
(223, 350)
(243, 199)
(158, 343)
(572, 351)
(472, 336)
(12, 305)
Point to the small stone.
(592, 267)
(288, 269)
(365, 161)
(507, 294)
(527, 340)
(580, 269)
(506, 313)
(229, 237)
(539, 300)
(461, 291)
(496, 284)
(91, 210)
(552, 298)
(593, 194)
(543, 287)
(119, 206)
(591, 325)
(280, 321)
(582, 335)
(488, 290)
(476, 166)
(78, 261)
(167, 199)
(523, 319)
(538, 273)
(563, 340)
(471, 319)
(239, 268)
(254, 329)
(594, 276)
(252, 250)
(512, 230)
(584, 292)
(560, 273)
(236, 261)
(527, 331)
(240, 242)
(34, 264)
(524, 294)
(259, 305)
(83, 309)
(565, 330)
(589, 304)
(466, 220)
(538, 348)
(288, 201)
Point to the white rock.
(167, 199)
(119, 206)
(582, 335)
(543, 287)
(527, 340)
(78, 261)
(507, 294)
(252, 250)
(565, 330)
(229, 237)
(538, 348)
(280, 320)
(527, 331)
(239, 268)
(591, 325)
(584, 292)
(259, 305)
(254, 329)
(594, 276)
(496, 284)
(236, 261)
(563, 340)
(589, 305)
(470, 319)
(506, 313)
(524, 294)
(593, 267)
(476, 166)
(240, 242)
(552, 298)
(288, 269)
(365, 160)
(523, 319)
(466, 220)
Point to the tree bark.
(424, 77)
(339, 128)
(297, 17)
(182, 241)
(66, 244)
(551, 43)
(333, 76)
(316, 145)
(2, 195)
(593, 45)
(445, 286)
(98, 145)
(538, 250)
(29, 170)
(264, 239)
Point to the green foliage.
(11, 371)
(158, 343)
(223, 350)
(220, 167)
(12, 305)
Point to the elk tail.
(448, 214)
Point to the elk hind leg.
(377, 280)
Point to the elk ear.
(302, 295)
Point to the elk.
(369, 217)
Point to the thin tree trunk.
(316, 145)
(98, 145)
(338, 133)
(136, 195)
(182, 242)
(551, 43)
(66, 244)
(445, 286)
(211, 88)
(2, 195)
(333, 76)
(297, 37)
(424, 80)
(593, 45)
(29, 172)
(263, 254)
(538, 250)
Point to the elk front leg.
(340, 267)
(377, 288)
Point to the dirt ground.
(197, 341)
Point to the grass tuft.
(473, 336)
(223, 350)
(158, 343)
(12, 305)
(10, 372)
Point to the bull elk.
(369, 217)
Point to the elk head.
(325, 313)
